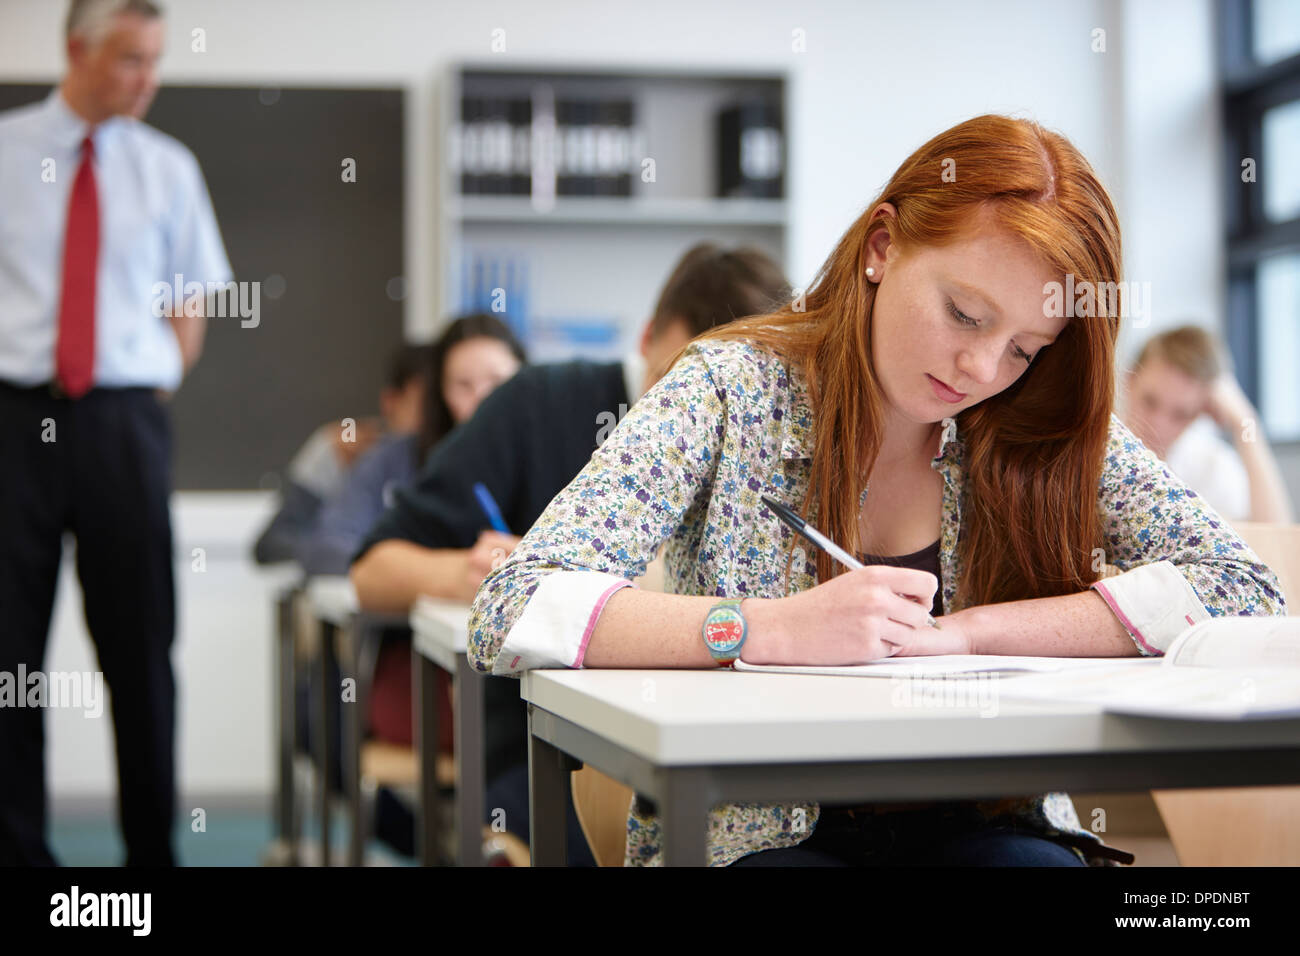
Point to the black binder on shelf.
(751, 151)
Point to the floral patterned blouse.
(685, 468)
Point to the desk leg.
(424, 675)
(353, 719)
(470, 784)
(284, 797)
(326, 697)
(684, 817)
(547, 778)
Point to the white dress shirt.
(156, 222)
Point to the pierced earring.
(871, 272)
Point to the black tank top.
(927, 559)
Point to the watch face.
(724, 630)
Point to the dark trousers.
(106, 478)
(949, 834)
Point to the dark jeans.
(951, 834)
(100, 468)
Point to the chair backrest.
(1233, 826)
(1278, 545)
(602, 805)
(1244, 826)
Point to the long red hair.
(1033, 452)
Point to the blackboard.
(273, 161)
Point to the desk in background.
(439, 631)
(350, 637)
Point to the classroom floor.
(242, 837)
(234, 837)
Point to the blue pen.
(489, 506)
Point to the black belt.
(55, 390)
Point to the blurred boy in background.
(1178, 390)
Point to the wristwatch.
(724, 631)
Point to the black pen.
(809, 533)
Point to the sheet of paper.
(1261, 642)
(950, 665)
(1183, 692)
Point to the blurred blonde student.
(1175, 395)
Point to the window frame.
(1247, 90)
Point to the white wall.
(877, 80)
(1169, 197)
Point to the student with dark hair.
(317, 472)
(475, 355)
(472, 357)
(441, 384)
(525, 443)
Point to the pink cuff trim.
(1128, 625)
(591, 621)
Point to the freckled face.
(966, 314)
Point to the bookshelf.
(566, 195)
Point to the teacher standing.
(97, 209)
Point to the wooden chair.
(602, 805)
(1245, 826)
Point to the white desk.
(332, 599)
(350, 636)
(284, 849)
(439, 632)
(691, 739)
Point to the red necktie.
(75, 352)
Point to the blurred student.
(1178, 390)
(526, 442)
(469, 360)
(475, 355)
(316, 473)
(87, 361)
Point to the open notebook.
(1226, 668)
(945, 665)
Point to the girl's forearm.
(1073, 625)
(638, 628)
(393, 573)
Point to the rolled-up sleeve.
(1180, 561)
(539, 608)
